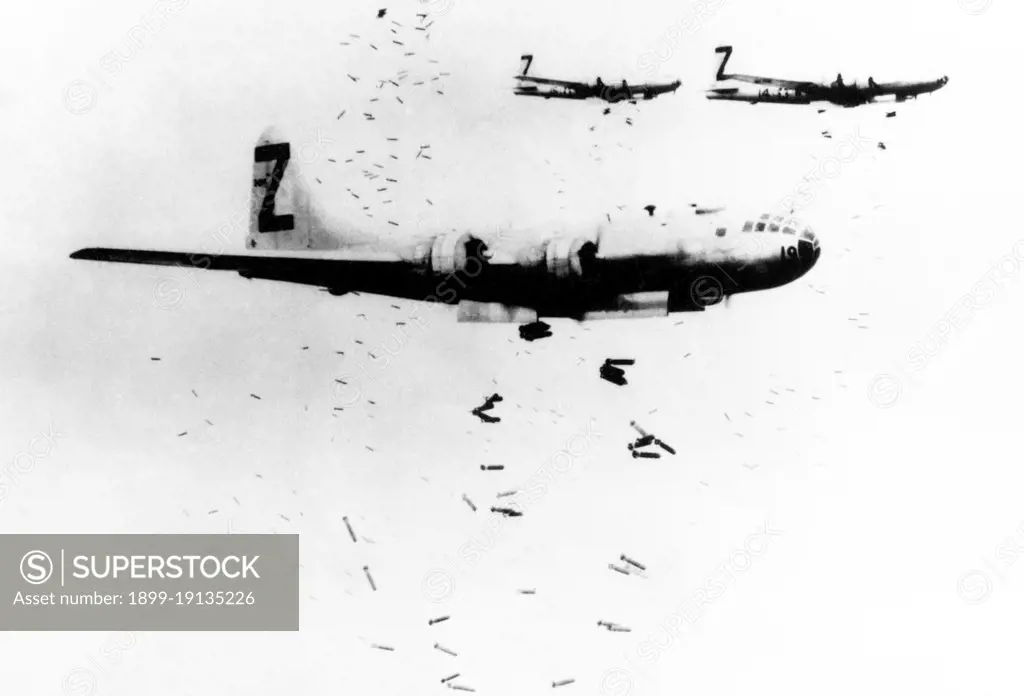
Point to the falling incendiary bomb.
(507, 512)
(382, 647)
(438, 620)
(630, 561)
(624, 571)
(534, 331)
(460, 687)
(349, 526)
(490, 401)
(487, 406)
(564, 682)
(373, 585)
(506, 494)
(642, 442)
(448, 679)
(438, 646)
(527, 591)
(619, 629)
(469, 502)
(645, 440)
(615, 375)
(491, 467)
(484, 417)
(638, 428)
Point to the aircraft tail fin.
(283, 213)
(524, 63)
(727, 53)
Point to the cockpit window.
(760, 227)
(808, 233)
(720, 232)
(777, 218)
(765, 217)
(748, 226)
(774, 227)
(788, 230)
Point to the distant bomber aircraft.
(564, 89)
(796, 92)
(292, 239)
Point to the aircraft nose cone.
(816, 254)
(810, 247)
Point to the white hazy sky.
(884, 514)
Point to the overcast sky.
(886, 480)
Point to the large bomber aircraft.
(567, 89)
(291, 239)
(776, 91)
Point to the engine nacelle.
(454, 252)
(568, 258)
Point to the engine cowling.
(455, 252)
(569, 258)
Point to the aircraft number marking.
(788, 252)
(268, 219)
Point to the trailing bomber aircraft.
(802, 92)
(292, 239)
(567, 89)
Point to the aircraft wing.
(660, 86)
(797, 85)
(550, 95)
(555, 83)
(504, 294)
(331, 270)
